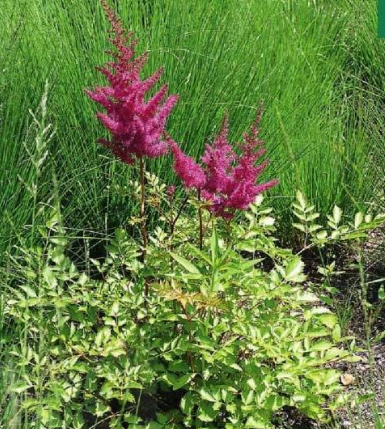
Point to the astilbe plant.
(226, 180)
(136, 125)
(217, 341)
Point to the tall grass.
(297, 56)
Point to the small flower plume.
(226, 180)
(171, 190)
(136, 125)
(191, 174)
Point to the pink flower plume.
(136, 125)
(227, 180)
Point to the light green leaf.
(300, 226)
(328, 320)
(29, 291)
(191, 268)
(301, 199)
(199, 253)
(294, 270)
(337, 214)
(358, 219)
(253, 423)
(187, 404)
(206, 413)
(206, 395)
(20, 387)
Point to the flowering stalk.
(136, 123)
(200, 221)
(143, 208)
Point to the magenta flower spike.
(226, 180)
(136, 125)
(190, 173)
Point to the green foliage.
(220, 339)
(336, 230)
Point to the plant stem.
(143, 228)
(200, 221)
(366, 312)
(143, 208)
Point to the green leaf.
(336, 333)
(328, 320)
(177, 382)
(206, 395)
(214, 247)
(49, 277)
(294, 270)
(300, 226)
(199, 253)
(102, 336)
(29, 291)
(191, 268)
(301, 199)
(20, 387)
(321, 235)
(206, 413)
(313, 217)
(381, 293)
(337, 214)
(187, 404)
(306, 296)
(252, 422)
(266, 221)
(321, 346)
(358, 219)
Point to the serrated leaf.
(266, 221)
(314, 227)
(307, 296)
(253, 423)
(102, 336)
(199, 253)
(321, 235)
(313, 217)
(187, 404)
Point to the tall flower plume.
(226, 180)
(136, 125)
